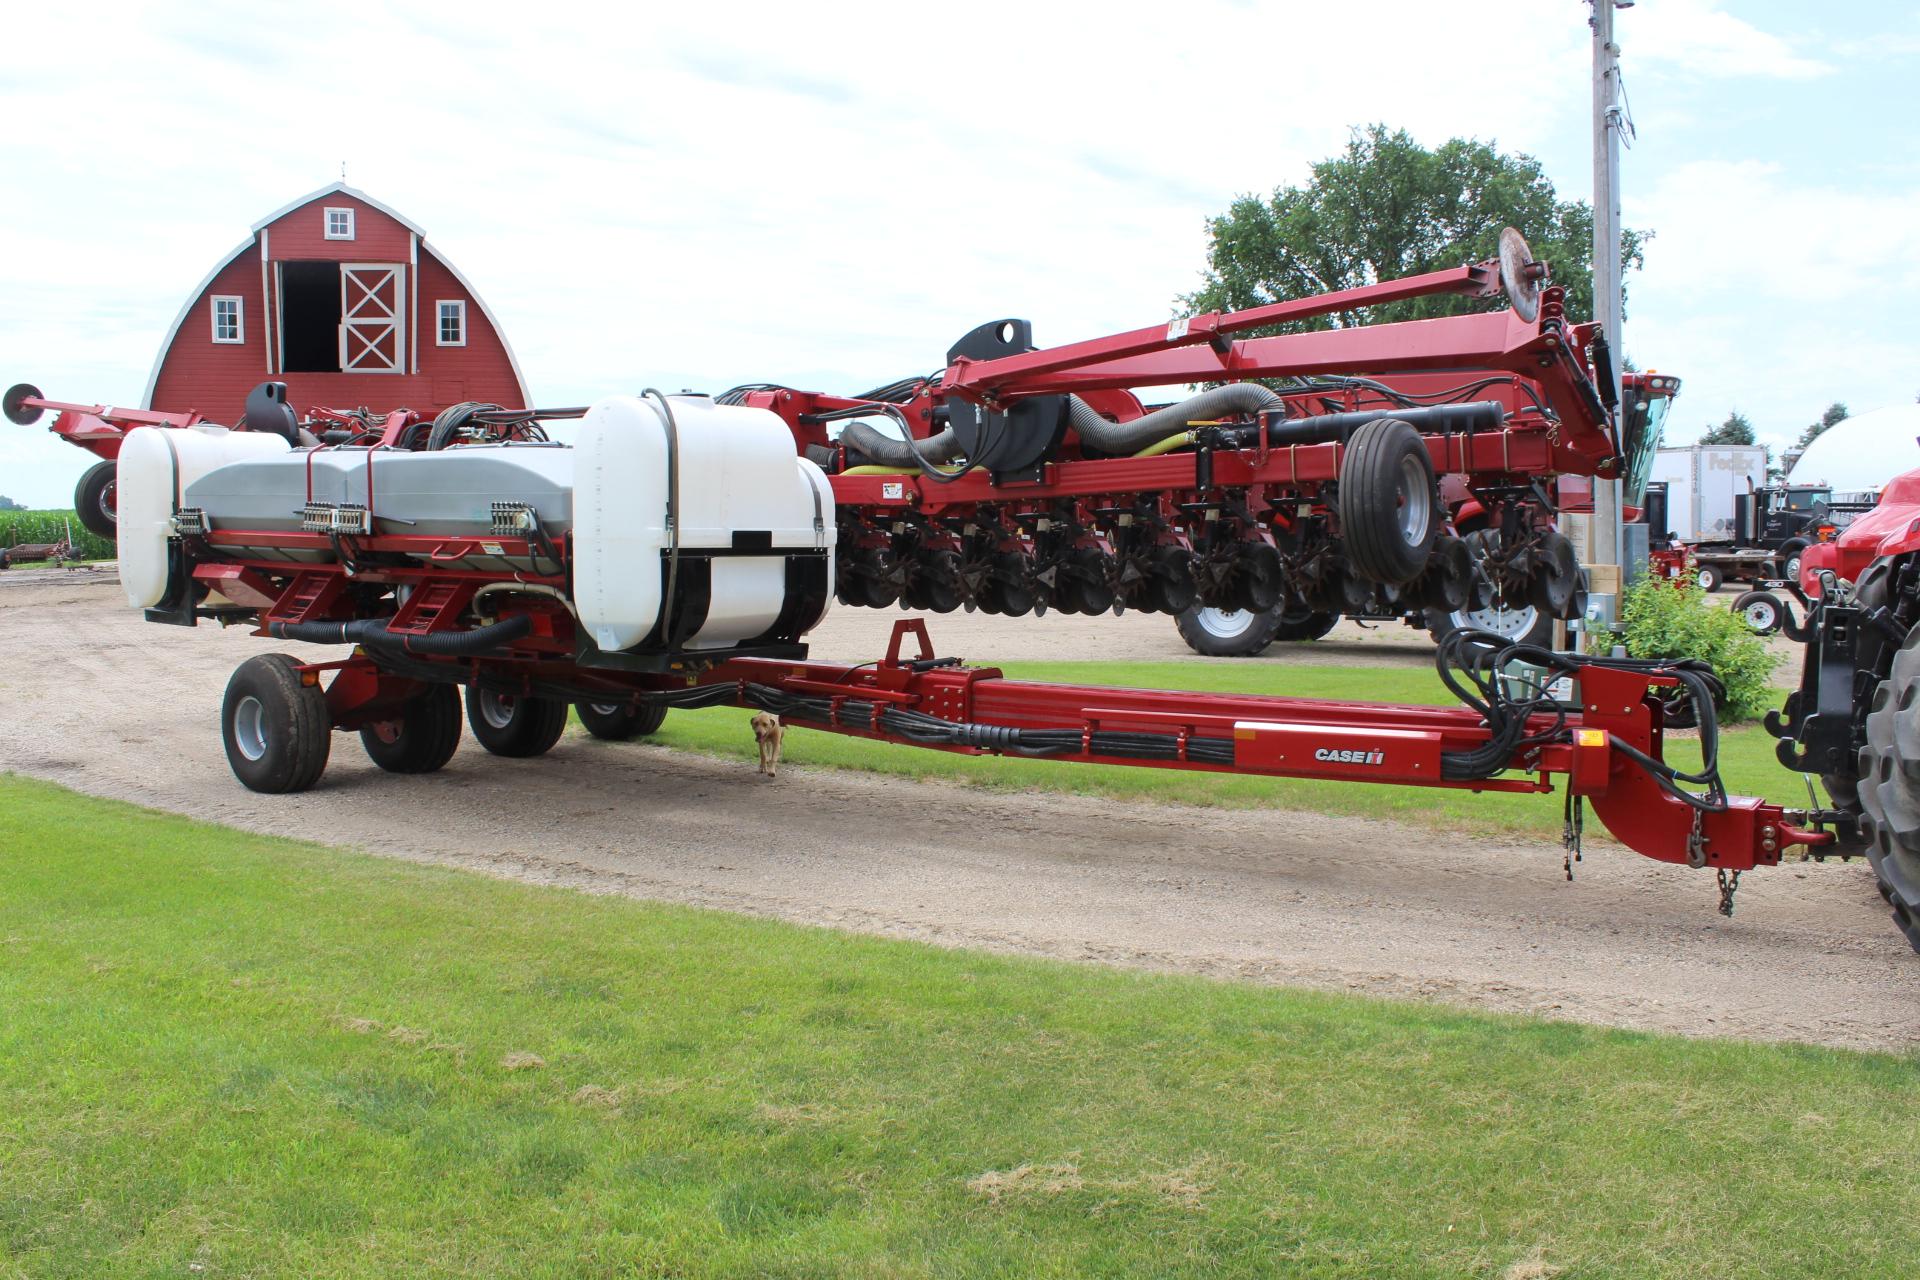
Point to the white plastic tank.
(745, 502)
(156, 465)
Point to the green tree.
(8, 504)
(1836, 412)
(1389, 207)
(1735, 430)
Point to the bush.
(17, 527)
(1667, 619)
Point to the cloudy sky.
(828, 194)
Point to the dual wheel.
(278, 731)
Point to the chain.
(1697, 841)
(1729, 881)
(1575, 820)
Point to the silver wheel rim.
(1705, 579)
(1508, 624)
(1415, 502)
(1793, 569)
(1225, 624)
(606, 708)
(1759, 615)
(497, 709)
(250, 727)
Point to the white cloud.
(1699, 38)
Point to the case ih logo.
(1331, 755)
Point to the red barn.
(342, 299)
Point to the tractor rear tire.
(516, 727)
(422, 738)
(94, 500)
(620, 722)
(1389, 506)
(276, 727)
(1889, 788)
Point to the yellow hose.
(1166, 446)
(879, 471)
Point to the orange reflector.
(309, 678)
(1592, 737)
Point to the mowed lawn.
(1747, 759)
(227, 1055)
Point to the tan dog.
(769, 733)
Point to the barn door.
(373, 337)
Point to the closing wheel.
(620, 721)
(1389, 510)
(422, 738)
(1890, 788)
(1305, 625)
(514, 726)
(276, 727)
(1558, 577)
(95, 498)
(1761, 611)
(1227, 633)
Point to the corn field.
(17, 527)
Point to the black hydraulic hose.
(1096, 432)
(1462, 419)
(1231, 400)
(373, 633)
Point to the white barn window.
(453, 324)
(228, 321)
(339, 224)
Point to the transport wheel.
(94, 499)
(1228, 633)
(620, 721)
(1889, 788)
(422, 738)
(1389, 512)
(513, 726)
(1790, 558)
(276, 727)
(1710, 578)
(1761, 610)
(1520, 624)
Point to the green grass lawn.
(1746, 758)
(228, 1055)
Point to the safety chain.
(1729, 881)
(1575, 820)
(1697, 841)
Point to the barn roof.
(336, 188)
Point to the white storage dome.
(1860, 454)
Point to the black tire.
(512, 726)
(620, 722)
(1227, 633)
(1889, 788)
(1790, 558)
(1709, 577)
(14, 404)
(1389, 507)
(1305, 626)
(1526, 624)
(1760, 610)
(424, 736)
(276, 727)
(94, 500)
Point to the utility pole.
(1607, 123)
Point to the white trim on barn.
(217, 313)
(454, 309)
(337, 222)
(513, 361)
(186, 309)
(338, 188)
